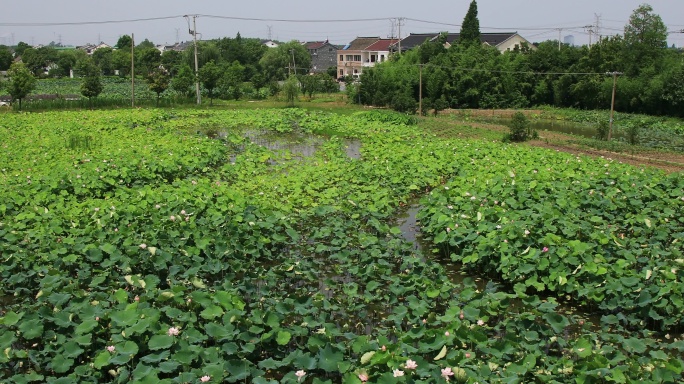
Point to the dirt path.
(667, 161)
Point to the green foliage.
(470, 28)
(158, 81)
(520, 128)
(291, 90)
(210, 75)
(184, 81)
(162, 255)
(21, 82)
(92, 83)
(5, 58)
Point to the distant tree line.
(228, 67)
(468, 75)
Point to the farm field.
(261, 245)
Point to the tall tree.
(92, 83)
(21, 82)
(470, 29)
(184, 81)
(5, 58)
(645, 40)
(124, 42)
(158, 81)
(209, 75)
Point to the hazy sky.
(536, 20)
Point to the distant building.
(269, 43)
(569, 40)
(323, 55)
(503, 41)
(361, 53)
(90, 48)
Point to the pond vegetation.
(152, 252)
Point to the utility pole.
(590, 29)
(559, 38)
(294, 63)
(399, 21)
(132, 70)
(193, 32)
(420, 90)
(612, 102)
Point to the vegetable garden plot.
(167, 261)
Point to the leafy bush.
(520, 128)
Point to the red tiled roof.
(381, 45)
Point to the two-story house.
(361, 53)
(323, 55)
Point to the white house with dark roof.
(503, 41)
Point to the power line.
(88, 22)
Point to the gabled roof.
(381, 45)
(492, 39)
(318, 44)
(361, 43)
(415, 39)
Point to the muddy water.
(297, 144)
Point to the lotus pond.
(140, 246)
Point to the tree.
(21, 82)
(184, 81)
(92, 84)
(209, 75)
(147, 60)
(124, 43)
(158, 81)
(470, 29)
(121, 61)
(278, 63)
(231, 80)
(102, 57)
(5, 58)
(291, 90)
(645, 40)
(20, 48)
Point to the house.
(269, 43)
(362, 52)
(179, 47)
(503, 41)
(90, 48)
(323, 55)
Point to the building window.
(341, 72)
(341, 58)
(382, 58)
(350, 57)
(357, 57)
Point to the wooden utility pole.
(193, 32)
(420, 90)
(399, 21)
(194, 36)
(559, 38)
(132, 70)
(612, 102)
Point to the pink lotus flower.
(446, 372)
(205, 378)
(383, 348)
(410, 364)
(111, 348)
(480, 322)
(173, 331)
(363, 377)
(143, 246)
(446, 333)
(172, 218)
(467, 355)
(545, 249)
(300, 374)
(398, 373)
